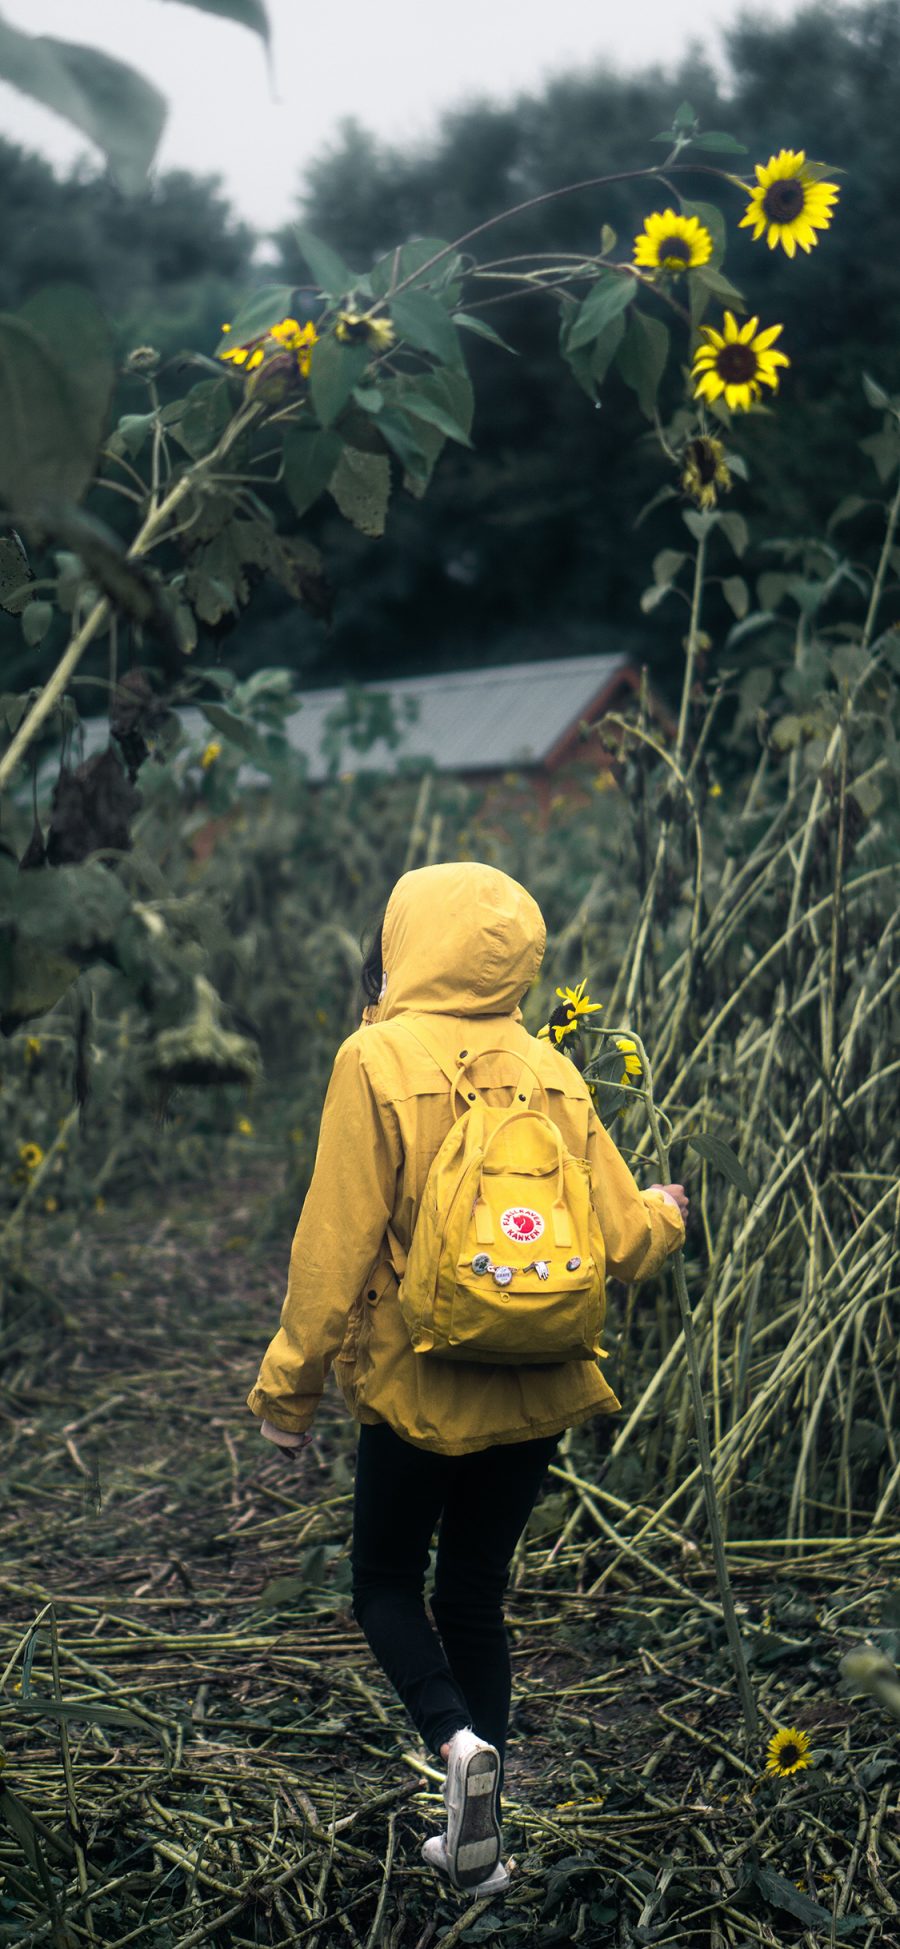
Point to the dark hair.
(371, 973)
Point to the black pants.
(483, 1502)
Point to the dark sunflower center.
(783, 201)
(736, 364)
(674, 250)
(701, 455)
(789, 1755)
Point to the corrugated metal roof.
(458, 720)
(496, 719)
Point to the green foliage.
(108, 100)
(56, 377)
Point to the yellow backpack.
(506, 1262)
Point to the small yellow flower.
(704, 471)
(604, 781)
(32, 1047)
(715, 791)
(789, 203)
(669, 242)
(737, 361)
(245, 1126)
(788, 1750)
(51, 1204)
(564, 1020)
(30, 1156)
(211, 753)
(357, 328)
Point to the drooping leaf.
(131, 434)
(78, 335)
(611, 294)
(737, 595)
(235, 729)
(722, 1158)
(434, 413)
(334, 371)
(247, 13)
(328, 268)
(410, 441)
(256, 315)
(361, 486)
(53, 403)
(642, 358)
(736, 529)
(483, 330)
(424, 322)
(110, 102)
(782, 1894)
(36, 620)
(310, 457)
(875, 394)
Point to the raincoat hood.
(459, 939)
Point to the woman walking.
(459, 1443)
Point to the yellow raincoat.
(461, 943)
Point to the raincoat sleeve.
(341, 1227)
(640, 1228)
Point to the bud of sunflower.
(354, 328)
(144, 361)
(704, 469)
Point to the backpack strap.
(527, 1081)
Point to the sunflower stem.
(881, 571)
(713, 1513)
(692, 644)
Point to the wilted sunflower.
(737, 361)
(788, 1751)
(565, 1019)
(356, 328)
(669, 242)
(704, 471)
(789, 203)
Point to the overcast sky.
(395, 67)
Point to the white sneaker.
(473, 1839)
(434, 1851)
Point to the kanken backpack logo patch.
(523, 1225)
(506, 1262)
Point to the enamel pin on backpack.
(507, 1262)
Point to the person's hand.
(288, 1445)
(676, 1194)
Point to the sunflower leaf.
(642, 358)
(712, 220)
(876, 394)
(720, 139)
(737, 595)
(611, 294)
(328, 268)
(781, 1893)
(722, 1158)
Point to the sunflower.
(564, 1020)
(789, 203)
(736, 361)
(30, 1156)
(632, 1059)
(669, 242)
(355, 328)
(788, 1751)
(286, 336)
(704, 470)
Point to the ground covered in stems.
(199, 1749)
